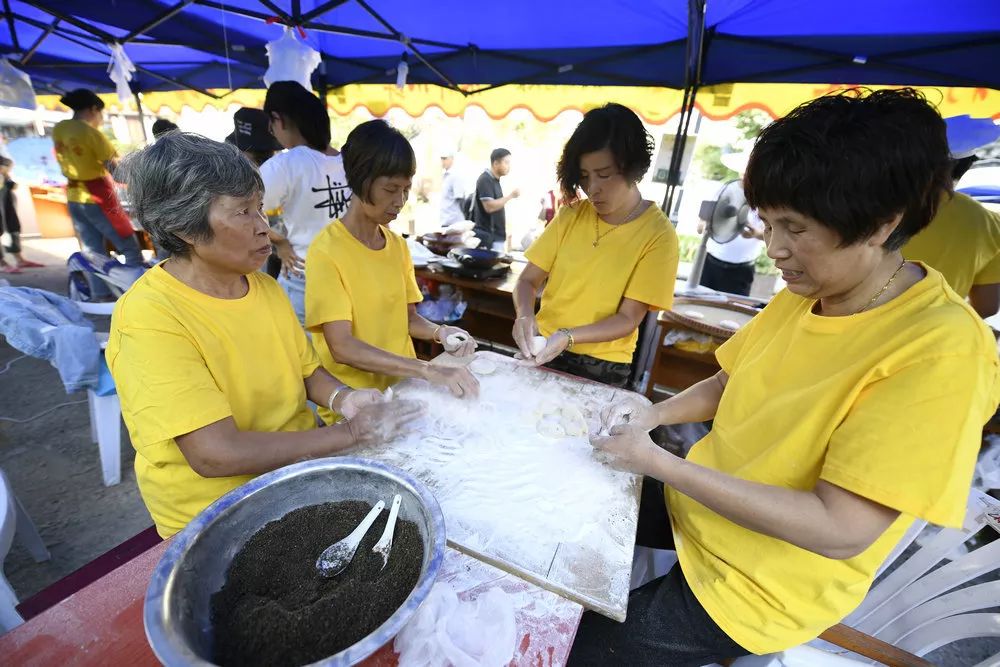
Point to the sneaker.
(28, 264)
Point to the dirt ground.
(55, 471)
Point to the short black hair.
(303, 109)
(82, 98)
(962, 165)
(616, 128)
(853, 161)
(498, 154)
(161, 126)
(376, 149)
(5, 161)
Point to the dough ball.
(456, 339)
(566, 421)
(549, 427)
(573, 421)
(729, 324)
(694, 314)
(481, 366)
(538, 344)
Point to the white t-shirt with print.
(311, 189)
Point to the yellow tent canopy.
(655, 105)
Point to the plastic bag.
(290, 59)
(120, 69)
(448, 631)
(15, 87)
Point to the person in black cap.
(161, 126)
(251, 135)
(307, 182)
(85, 156)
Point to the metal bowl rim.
(171, 651)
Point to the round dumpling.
(481, 366)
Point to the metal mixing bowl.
(177, 608)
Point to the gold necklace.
(597, 229)
(879, 294)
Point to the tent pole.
(10, 26)
(38, 42)
(692, 81)
(142, 116)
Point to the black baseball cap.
(251, 131)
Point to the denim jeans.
(93, 227)
(295, 288)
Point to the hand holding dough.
(456, 339)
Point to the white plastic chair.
(105, 412)
(105, 432)
(917, 609)
(14, 521)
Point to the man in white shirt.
(730, 267)
(307, 181)
(452, 192)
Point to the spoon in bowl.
(336, 557)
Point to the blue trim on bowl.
(171, 652)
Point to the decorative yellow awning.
(656, 105)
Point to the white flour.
(547, 506)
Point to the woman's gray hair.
(172, 184)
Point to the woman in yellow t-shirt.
(851, 405)
(85, 156)
(605, 261)
(361, 292)
(210, 363)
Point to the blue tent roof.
(204, 44)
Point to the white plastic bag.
(447, 631)
(120, 69)
(15, 87)
(290, 59)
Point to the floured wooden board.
(540, 506)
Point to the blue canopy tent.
(213, 44)
(202, 44)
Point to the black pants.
(727, 277)
(665, 626)
(591, 368)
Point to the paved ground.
(55, 470)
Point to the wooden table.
(490, 311)
(102, 623)
(675, 370)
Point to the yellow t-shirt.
(888, 404)
(182, 360)
(81, 151)
(962, 242)
(586, 284)
(372, 289)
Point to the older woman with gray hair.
(212, 367)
